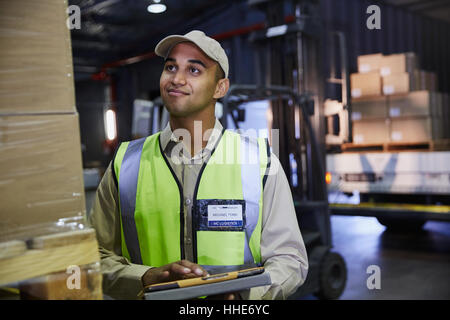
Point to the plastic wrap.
(43, 234)
(36, 70)
(58, 260)
(76, 283)
(41, 177)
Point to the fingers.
(184, 269)
(179, 268)
(195, 268)
(230, 296)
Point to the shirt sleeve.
(283, 251)
(121, 278)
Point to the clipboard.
(210, 285)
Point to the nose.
(179, 79)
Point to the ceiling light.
(156, 7)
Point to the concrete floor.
(412, 265)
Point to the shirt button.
(188, 201)
(188, 241)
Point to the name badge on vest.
(221, 215)
(225, 216)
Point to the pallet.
(432, 145)
(40, 265)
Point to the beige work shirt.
(283, 252)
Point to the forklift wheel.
(332, 276)
(401, 225)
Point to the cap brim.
(163, 47)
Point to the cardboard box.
(369, 62)
(54, 286)
(416, 103)
(41, 179)
(395, 83)
(398, 63)
(415, 130)
(369, 108)
(371, 131)
(365, 84)
(36, 72)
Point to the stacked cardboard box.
(42, 226)
(386, 74)
(416, 116)
(41, 179)
(370, 123)
(394, 101)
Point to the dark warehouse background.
(115, 64)
(117, 39)
(349, 98)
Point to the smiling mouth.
(176, 93)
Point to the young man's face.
(188, 82)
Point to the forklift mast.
(289, 75)
(289, 55)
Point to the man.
(159, 212)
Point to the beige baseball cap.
(209, 46)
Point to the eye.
(194, 70)
(170, 67)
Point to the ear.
(222, 87)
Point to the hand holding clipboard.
(210, 285)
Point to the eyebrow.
(191, 61)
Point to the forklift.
(289, 80)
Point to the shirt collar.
(168, 136)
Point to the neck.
(196, 125)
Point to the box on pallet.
(365, 84)
(415, 129)
(53, 260)
(36, 69)
(399, 74)
(371, 131)
(369, 108)
(395, 83)
(41, 178)
(398, 63)
(416, 103)
(64, 286)
(369, 62)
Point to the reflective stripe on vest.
(127, 170)
(250, 173)
(128, 177)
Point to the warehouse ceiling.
(116, 29)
